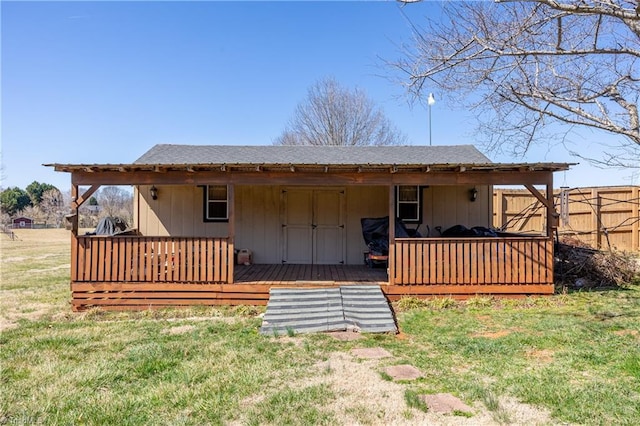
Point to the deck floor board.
(287, 274)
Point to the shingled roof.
(310, 155)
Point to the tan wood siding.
(362, 201)
(446, 206)
(258, 222)
(176, 212)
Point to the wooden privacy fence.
(152, 259)
(475, 265)
(603, 217)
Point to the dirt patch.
(181, 329)
(496, 334)
(371, 353)
(345, 336)
(13, 313)
(544, 356)
(364, 398)
(627, 333)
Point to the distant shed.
(22, 223)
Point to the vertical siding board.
(117, 268)
(148, 260)
(82, 258)
(130, 256)
(467, 262)
(549, 262)
(411, 261)
(528, 273)
(473, 262)
(100, 258)
(487, 265)
(204, 259)
(508, 262)
(421, 266)
(495, 259)
(211, 253)
(182, 259)
(226, 261)
(189, 259)
(217, 267)
(537, 261)
(433, 262)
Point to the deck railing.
(473, 261)
(125, 259)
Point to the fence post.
(635, 227)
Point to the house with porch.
(294, 214)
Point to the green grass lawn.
(575, 357)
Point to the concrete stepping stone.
(445, 403)
(403, 372)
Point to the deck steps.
(361, 308)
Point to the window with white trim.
(216, 203)
(408, 203)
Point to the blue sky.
(102, 82)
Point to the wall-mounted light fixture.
(473, 194)
(154, 192)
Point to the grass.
(575, 355)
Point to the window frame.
(206, 202)
(418, 203)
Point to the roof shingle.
(308, 155)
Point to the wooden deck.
(308, 275)
(152, 272)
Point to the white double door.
(313, 225)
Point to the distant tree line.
(47, 205)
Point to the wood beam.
(311, 178)
(232, 231)
(78, 201)
(391, 260)
(552, 215)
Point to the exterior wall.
(177, 212)
(370, 201)
(258, 221)
(446, 206)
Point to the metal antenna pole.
(430, 101)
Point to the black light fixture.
(473, 194)
(154, 192)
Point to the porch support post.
(232, 232)
(73, 219)
(548, 201)
(552, 215)
(391, 262)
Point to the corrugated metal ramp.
(309, 310)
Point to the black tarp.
(110, 226)
(375, 232)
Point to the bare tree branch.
(527, 66)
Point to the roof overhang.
(316, 174)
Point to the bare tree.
(336, 116)
(524, 66)
(116, 202)
(52, 206)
